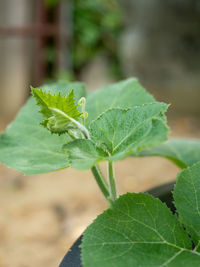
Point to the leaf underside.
(183, 152)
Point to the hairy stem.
(101, 182)
(112, 183)
(82, 103)
(197, 246)
(79, 126)
(103, 177)
(108, 191)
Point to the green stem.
(197, 246)
(112, 184)
(101, 182)
(82, 103)
(80, 126)
(103, 178)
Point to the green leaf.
(64, 88)
(138, 230)
(120, 133)
(29, 148)
(187, 200)
(183, 152)
(83, 154)
(124, 94)
(56, 109)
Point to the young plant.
(61, 127)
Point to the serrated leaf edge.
(126, 109)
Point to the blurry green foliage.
(51, 3)
(97, 25)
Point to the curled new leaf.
(54, 108)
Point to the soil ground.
(41, 216)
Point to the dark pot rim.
(163, 192)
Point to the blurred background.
(97, 42)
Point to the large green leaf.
(124, 94)
(187, 200)
(120, 133)
(124, 131)
(64, 88)
(138, 230)
(29, 148)
(183, 152)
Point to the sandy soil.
(41, 216)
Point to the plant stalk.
(101, 182)
(82, 103)
(103, 178)
(112, 183)
(80, 126)
(109, 193)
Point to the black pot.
(163, 192)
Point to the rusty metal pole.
(41, 31)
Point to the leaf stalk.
(112, 183)
(80, 126)
(101, 182)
